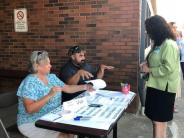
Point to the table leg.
(115, 131)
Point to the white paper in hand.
(97, 84)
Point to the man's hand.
(102, 69)
(85, 74)
(105, 67)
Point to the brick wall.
(108, 28)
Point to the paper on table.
(106, 97)
(105, 101)
(50, 117)
(108, 93)
(101, 117)
(75, 104)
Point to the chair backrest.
(3, 132)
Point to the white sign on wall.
(20, 20)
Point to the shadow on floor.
(14, 132)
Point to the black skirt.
(159, 105)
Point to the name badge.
(157, 50)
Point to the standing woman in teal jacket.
(162, 65)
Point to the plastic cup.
(125, 89)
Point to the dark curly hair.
(158, 30)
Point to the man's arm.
(100, 73)
(76, 77)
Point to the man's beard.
(81, 64)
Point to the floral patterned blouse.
(33, 88)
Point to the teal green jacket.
(164, 64)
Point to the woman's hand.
(54, 90)
(141, 66)
(34, 106)
(89, 87)
(144, 67)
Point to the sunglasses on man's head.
(73, 50)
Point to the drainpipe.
(141, 83)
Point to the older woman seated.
(40, 93)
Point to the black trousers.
(182, 68)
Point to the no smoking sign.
(20, 20)
(20, 15)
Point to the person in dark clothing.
(77, 71)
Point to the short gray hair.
(36, 58)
